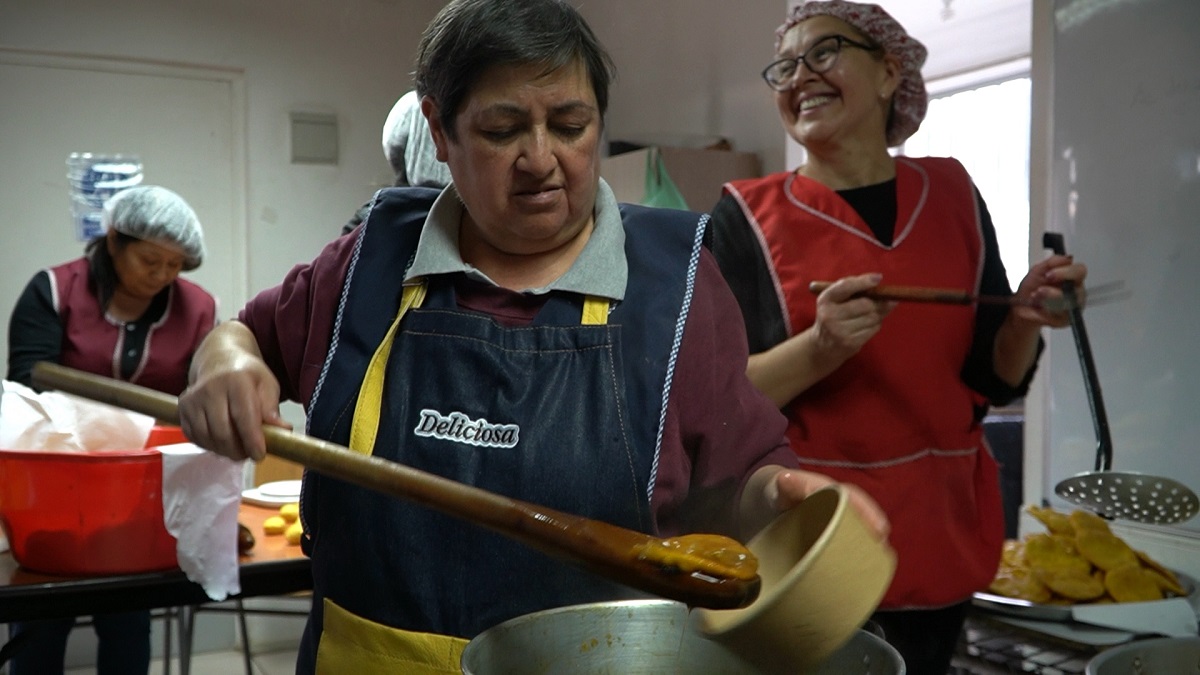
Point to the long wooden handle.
(943, 296)
(605, 549)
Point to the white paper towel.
(201, 490)
(201, 494)
(52, 420)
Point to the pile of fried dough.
(1079, 560)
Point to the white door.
(186, 125)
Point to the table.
(272, 567)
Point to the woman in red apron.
(888, 397)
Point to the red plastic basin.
(84, 514)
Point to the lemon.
(290, 512)
(293, 533)
(274, 525)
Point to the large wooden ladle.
(698, 576)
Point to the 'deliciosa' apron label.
(458, 427)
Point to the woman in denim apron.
(518, 331)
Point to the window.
(986, 127)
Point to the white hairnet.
(409, 147)
(156, 214)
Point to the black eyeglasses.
(819, 58)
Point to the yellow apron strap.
(352, 644)
(370, 394)
(595, 311)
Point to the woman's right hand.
(845, 322)
(231, 395)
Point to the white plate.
(273, 494)
(281, 488)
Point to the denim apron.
(560, 413)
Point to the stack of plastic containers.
(93, 179)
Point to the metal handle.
(1054, 242)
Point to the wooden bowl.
(823, 574)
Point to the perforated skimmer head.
(1131, 496)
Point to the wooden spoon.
(699, 570)
(942, 296)
(1101, 294)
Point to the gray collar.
(599, 270)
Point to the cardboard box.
(698, 173)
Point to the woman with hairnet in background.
(409, 150)
(884, 396)
(120, 311)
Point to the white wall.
(351, 58)
(691, 68)
(975, 33)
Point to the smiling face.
(525, 160)
(144, 268)
(846, 105)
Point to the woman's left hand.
(1042, 290)
(792, 486)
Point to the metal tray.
(1031, 610)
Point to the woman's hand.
(774, 489)
(231, 395)
(845, 322)
(1016, 345)
(1041, 291)
(843, 325)
(794, 486)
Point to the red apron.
(895, 419)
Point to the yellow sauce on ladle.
(709, 554)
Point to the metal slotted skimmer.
(1121, 495)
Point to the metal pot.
(1160, 656)
(638, 636)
